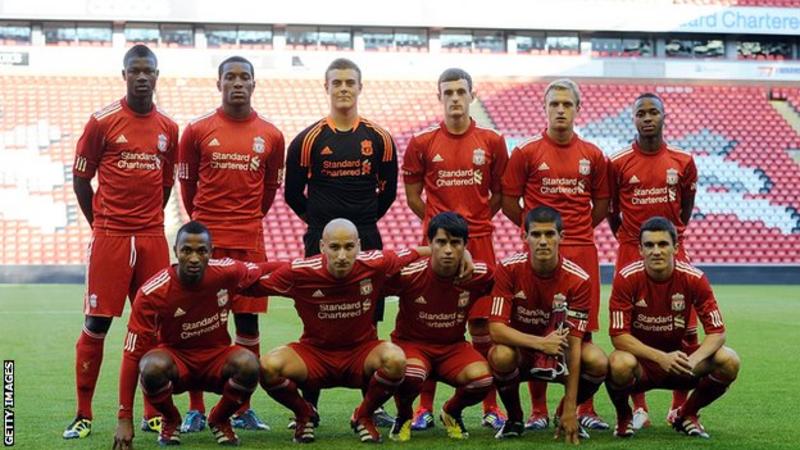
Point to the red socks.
(284, 391)
(381, 388)
(413, 382)
(88, 358)
(508, 389)
(708, 389)
(162, 402)
(538, 390)
(483, 343)
(468, 395)
(234, 395)
(426, 394)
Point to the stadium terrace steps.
(748, 183)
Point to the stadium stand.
(746, 183)
(763, 3)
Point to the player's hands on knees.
(123, 438)
(676, 363)
(555, 343)
(568, 425)
(467, 267)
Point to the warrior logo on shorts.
(259, 144)
(162, 142)
(479, 157)
(678, 302)
(584, 167)
(672, 177)
(366, 147)
(463, 299)
(222, 297)
(366, 286)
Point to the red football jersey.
(336, 314)
(657, 312)
(187, 318)
(566, 178)
(434, 310)
(459, 172)
(523, 300)
(644, 185)
(134, 158)
(232, 162)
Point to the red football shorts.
(116, 267)
(253, 305)
(201, 369)
(654, 377)
(482, 249)
(443, 361)
(585, 256)
(334, 368)
(629, 253)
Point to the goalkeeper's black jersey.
(349, 174)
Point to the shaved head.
(340, 245)
(338, 227)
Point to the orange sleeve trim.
(308, 143)
(388, 148)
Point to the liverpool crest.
(366, 287)
(678, 302)
(259, 144)
(672, 177)
(479, 157)
(163, 143)
(584, 167)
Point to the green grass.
(40, 323)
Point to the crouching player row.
(651, 303)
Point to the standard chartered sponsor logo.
(653, 195)
(202, 326)
(141, 161)
(460, 177)
(234, 161)
(531, 316)
(440, 320)
(333, 311)
(653, 323)
(562, 186)
(345, 168)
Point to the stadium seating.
(748, 195)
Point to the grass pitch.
(40, 323)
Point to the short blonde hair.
(564, 84)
